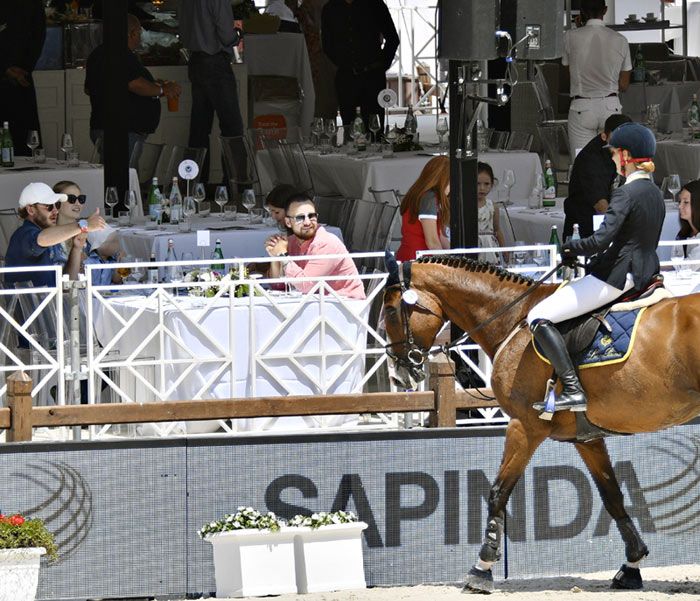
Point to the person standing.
(145, 91)
(352, 33)
(207, 31)
(22, 35)
(599, 68)
(591, 181)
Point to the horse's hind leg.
(520, 444)
(595, 456)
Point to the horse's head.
(413, 318)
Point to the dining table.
(673, 98)
(680, 155)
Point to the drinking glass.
(189, 208)
(519, 256)
(317, 129)
(111, 199)
(674, 185)
(248, 201)
(221, 198)
(33, 142)
(331, 131)
(508, 183)
(136, 274)
(391, 137)
(374, 127)
(199, 193)
(130, 203)
(441, 129)
(230, 212)
(66, 144)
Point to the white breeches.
(577, 298)
(587, 119)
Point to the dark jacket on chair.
(627, 239)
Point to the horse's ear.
(392, 267)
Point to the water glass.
(248, 200)
(674, 184)
(39, 155)
(230, 212)
(111, 199)
(33, 141)
(73, 158)
(66, 143)
(199, 193)
(519, 256)
(256, 215)
(123, 218)
(221, 198)
(204, 208)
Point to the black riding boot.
(551, 342)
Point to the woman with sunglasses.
(69, 210)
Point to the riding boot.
(552, 344)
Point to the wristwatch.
(83, 224)
(283, 255)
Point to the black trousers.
(18, 106)
(359, 90)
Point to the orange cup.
(174, 104)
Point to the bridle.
(416, 356)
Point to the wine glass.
(374, 127)
(331, 131)
(33, 141)
(674, 185)
(519, 256)
(111, 199)
(189, 208)
(130, 203)
(248, 201)
(317, 129)
(441, 129)
(508, 183)
(221, 198)
(199, 193)
(67, 144)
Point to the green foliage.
(16, 532)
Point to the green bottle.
(155, 200)
(7, 147)
(218, 254)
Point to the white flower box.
(253, 563)
(329, 558)
(19, 573)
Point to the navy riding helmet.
(638, 140)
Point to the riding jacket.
(627, 239)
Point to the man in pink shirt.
(308, 238)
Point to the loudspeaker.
(547, 20)
(466, 29)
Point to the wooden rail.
(442, 402)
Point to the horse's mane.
(460, 261)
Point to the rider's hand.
(568, 258)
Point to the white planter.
(251, 563)
(19, 573)
(329, 558)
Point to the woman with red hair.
(425, 211)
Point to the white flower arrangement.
(322, 518)
(217, 280)
(245, 518)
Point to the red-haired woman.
(425, 211)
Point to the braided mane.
(476, 266)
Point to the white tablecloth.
(283, 54)
(239, 240)
(673, 99)
(89, 177)
(675, 156)
(245, 357)
(352, 177)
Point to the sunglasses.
(72, 199)
(50, 207)
(301, 218)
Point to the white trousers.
(587, 119)
(578, 297)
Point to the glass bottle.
(155, 198)
(152, 270)
(175, 203)
(7, 147)
(550, 184)
(694, 117)
(639, 74)
(218, 253)
(171, 256)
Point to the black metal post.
(116, 140)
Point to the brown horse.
(656, 387)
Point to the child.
(105, 247)
(490, 234)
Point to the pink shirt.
(323, 243)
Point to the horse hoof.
(478, 581)
(627, 578)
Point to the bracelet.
(161, 92)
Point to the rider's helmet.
(636, 139)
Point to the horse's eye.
(390, 311)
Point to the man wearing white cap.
(37, 242)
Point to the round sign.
(387, 98)
(188, 169)
(410, 297)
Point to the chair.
(184, 153)
(498, 140)
(519, 140)
(294, 154)
(147, 159)
(554, 137)
(333, 211)
(364, 217)
(390, 197)
(276, 95)
(239, 165)
(286, 164)
(9, 222)
(670, 70)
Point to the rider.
(626, 245)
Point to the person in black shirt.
(22, 35)
(144, 91)
(591, 181)
(352, 32)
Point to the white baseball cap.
(39, 192)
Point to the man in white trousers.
(599, 67)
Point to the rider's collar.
(635, 176)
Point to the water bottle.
(175, 203)
(152, 271)
(556, 242)
(575, 235)
(170, 257)
(410, 124)
(155, 200)
(639, 74)
(550, 185)
(7, 147)
(218, 253)
(694, 117)
(358, 128)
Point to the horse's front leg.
(595, 456)
(520, 444)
